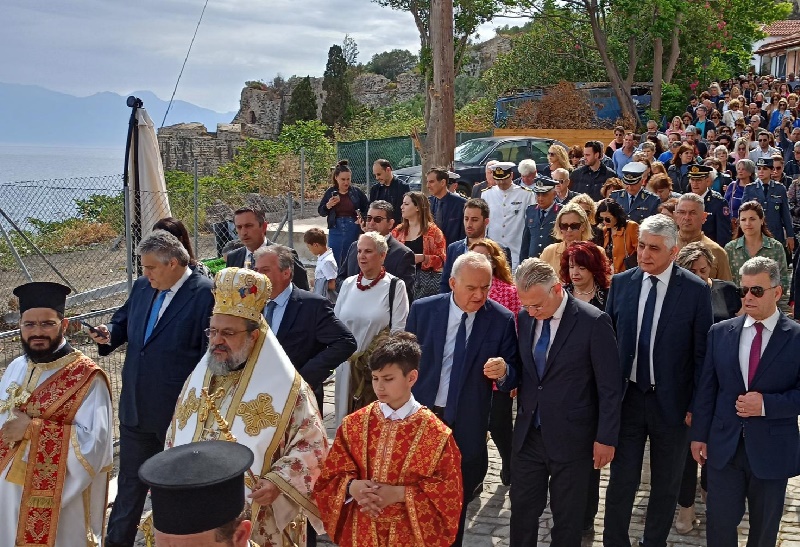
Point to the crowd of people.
(632, 294)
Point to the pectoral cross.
(16, 398)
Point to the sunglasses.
(573, 226)
(756, 291)
(376, 218)
(607, 220)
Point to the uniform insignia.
(726, 211)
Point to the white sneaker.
(684, 522)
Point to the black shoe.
(505, 475)
(588, 529)
(477, 491)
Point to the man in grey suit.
(399, 258)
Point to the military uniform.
(538, 231)
(507, 211)
(718, 222)
(643, 205)
(772, 197)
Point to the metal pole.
(302, 182)
(290, 219)
(196, 213)
(367, 169)
(128, 238)
(14, 252)
(413, 161)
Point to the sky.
(83, 47)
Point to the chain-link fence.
(399, 151)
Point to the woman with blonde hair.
(557, 158)
(589, 207)
(420, 233)
(676, 126)
(571, 225)
(741, 151)
(732, 114)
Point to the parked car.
(471, 158)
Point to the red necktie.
(755, 353)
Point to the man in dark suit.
(637, 203)
(662, 314)
(566, 347)
(163, 323)
(388, 188)
(304, 323)
(744, 425)
(540, 219)
(467, 341)
(447, 208)
(251, 226)
(399, 259)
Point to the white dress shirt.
(172, 291)
(453, 322)
(555, 321)
(661, 291)
(410, 407)
(746, 340)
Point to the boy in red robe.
(393, 475)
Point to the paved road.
(488, 516)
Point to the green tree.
(392, 63)
(338, 106)
(303, 105)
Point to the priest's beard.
(231, 360)
(40, 355)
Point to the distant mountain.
(34, 115)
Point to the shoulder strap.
(392, 285)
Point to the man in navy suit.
(447, 208)
(304, 323)
(163, 322)
(251, 226)
(744, 425)
(566, 347)
(467, 341)
(662, 314)
(399, 259)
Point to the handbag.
(426, 283)
(361, 391)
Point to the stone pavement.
(488, 515)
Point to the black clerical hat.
(196, 487)
(42, 294)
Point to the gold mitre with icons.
(241, 292)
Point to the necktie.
(630, 202)
(542, 213)
(540, 360)
(271, 305)
(249, 262)
(755, 353)
(437, 211)
(643, 345)
(456, 370)
(153, 317)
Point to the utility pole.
(441, 139)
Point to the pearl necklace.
(576, 291)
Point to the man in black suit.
(388, 188)
(399, 258)
(251, 226)
(746, 410)
(310, 334)
(447, 208)
(662, 314)
(163, 323)
(566, 347)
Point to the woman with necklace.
(344, 205)
(420, 233)
(621, 236)
(371, 304)
(572, 224)
(586, 274)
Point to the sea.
(43, 181)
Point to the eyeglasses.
(212, 333)
(756, 291)
(530, 308)
(45, 325)
(376, 218)
(574, 226)
(607, 220)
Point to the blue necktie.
(437, 211)
(456, 369)
(540, 360)
(153, 318)
(268, 315)
(542, 213)
(643, 345)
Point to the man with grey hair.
(690, 215)
(488, 182)
(162, 322)
(527, 174)
(568, 405)
(466, 340)
(746, 408)
(662, 314)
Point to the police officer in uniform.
(507, 205)
(772, 196)
(540, 219)
(637, 203)
(717, 226)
